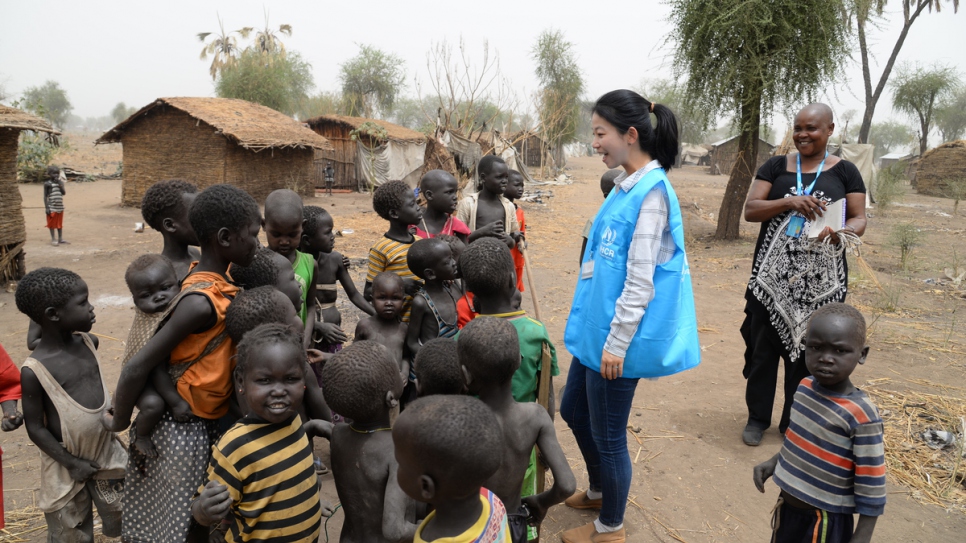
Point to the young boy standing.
(165, 208)
(54, 192)
(385, 327)
(64, 393)
(395, 202)
(434, 306)
(832, 462)
(513, 192)
(487, 212)
(440, 189)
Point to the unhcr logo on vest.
(606, 240)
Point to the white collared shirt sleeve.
(651, 246)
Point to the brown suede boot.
(581, 501)
(588, 534)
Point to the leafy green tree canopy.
(561, 87)
(49, 101)
(951, 116)
(371, 82)
(890, 136)
(916, 92)
(282, 84)
(121, 112)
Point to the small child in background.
(832, 462)
(447, 447)
(318, 240)
(438, 368)
(489, 353)
(385, 326)
(606, 186)
(64, 393)
(394, 201)
(164, 208)
(514, 191)
(54, 192)
(283, 229)
(441, 191)
(361, 384)
(259, 305)
(154, 285)
(268, 268)
(434, 306)
(261, 476)
(487, 212)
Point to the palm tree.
(267, 41)
(223, 48)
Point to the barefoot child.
(434, 306)
(487, 212)
(447, 447)
(832, 464)
(165, 208)
(283, 229)
(54, 192)
(385, 327)
(361, 383)
(154, 285)
(513, 192)
(64, 393)
(261, 476)
(440, 189)
(226, 220)
(394, 201)
(438, 368)
(489, 353)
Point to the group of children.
(236, 359)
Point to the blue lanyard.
(798, 180)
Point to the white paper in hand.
(834, 218)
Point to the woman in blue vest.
(633, 311)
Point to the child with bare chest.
(434, 305)
(488, 213)
(385, 327)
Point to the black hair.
(457, 439)
(432, 178)
(252, 307)
(486, 164)
(266, 334)
(437, 367)
(313, 216)
(164, 199)
(222, 206)
(261, 272)
(43, 288)
(287, 202)
(487, 267)
(489, 347)
(389, 196)
(389, 275)
(607, 180)
(52, 171)
(846, 311)
(144, 262)
(420, 256)
(453, 242)
(356, 380)
(625, 109)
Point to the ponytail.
(625, 109)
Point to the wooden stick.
(522, 246)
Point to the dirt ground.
(692, 474)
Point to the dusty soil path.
(692, 474)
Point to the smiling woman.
(789, 279)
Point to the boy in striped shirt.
(832, 463)
(395, 202)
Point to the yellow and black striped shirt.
(270, 476)
(389, 255)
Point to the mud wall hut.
(724, 153)
(357, 163)
(939, 166)
(531, 147)
(13, 230)
(215, 140)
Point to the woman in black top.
(789, 279)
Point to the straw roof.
(14, 119)
(940, 167)
(249, 125)
(396, 133)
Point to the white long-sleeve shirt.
(651, 246)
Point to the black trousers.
(763, 351)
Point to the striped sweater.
(833, 454)
(271, 479)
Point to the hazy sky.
(105, 52)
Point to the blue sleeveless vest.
(666, 341)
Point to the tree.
(745, 57)
(323, 103)
(48, 101)
(266, 40)
(121, 112)
(889, 136)
(223, 49)
(951, 116)
(865, 12)
(282, 84)
(561, 86)
(371, 82)
(917, 90)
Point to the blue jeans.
(597, 409)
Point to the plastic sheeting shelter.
(467, 155)
(862, 155)
(391, 160)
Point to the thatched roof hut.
(215, 140)
(400, 155)
(939, 166)
(13, 231)
(724, 153)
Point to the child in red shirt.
(514, 190)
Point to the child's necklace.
(374, 430)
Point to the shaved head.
(818, 109)
(283, 203)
